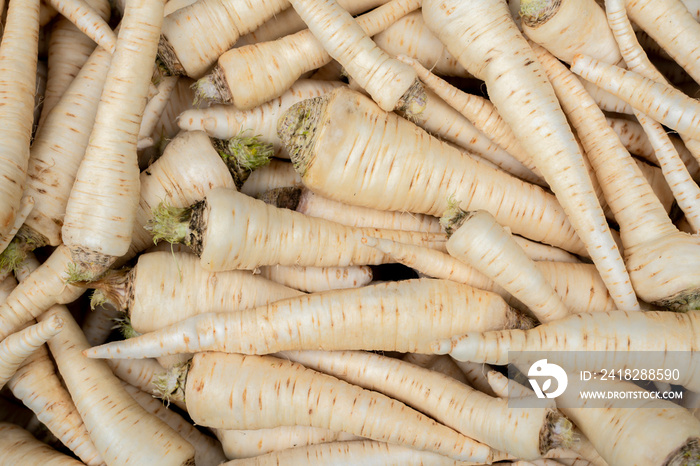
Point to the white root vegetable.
(478, 110)
(99, 323)
(88, 21)
(438, 363)
(388, 316)
(242, 76)
(605, 339)
(579, 285)
(122, 431)
(622, 435)
(58, 149)
(635, 140)
(477, 239)
(270, 235)
(288, 22)
(410, 36)
(266, 392)
(391, 83)
(562, 27)
(277, 174)
(661, 102)
(649, 238)
(185, 172)
(37, 385)
(18, 59)
(482, 36)
(17, 446)
(207, 450)
(164, 288)
(665, 21)
(524, 433)
(227, 121)
(250, 443)
(307, 202)
(45, 287)
(353, 166)
(315, 279)
(441, 120)
(366, 452)
(98, 233)
(20, 345)
(193, 37)
(69, 49)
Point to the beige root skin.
(675, 287)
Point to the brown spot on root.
(454, 217)
(683, 301)
(167, 59)
(88, 265)
(687, 454)
(297, 130)
(284, 198)
(557, 432)
(518, 320)
(534, 13)
(198, 225)
(413, 101)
